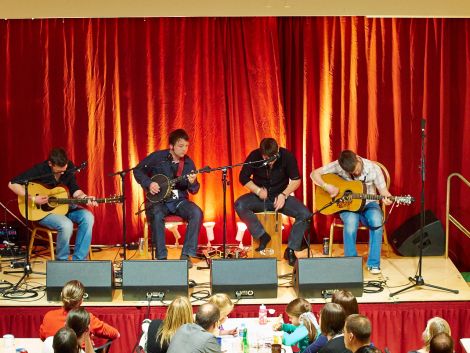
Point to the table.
(465, 342)
(258, 336)
(32, 345)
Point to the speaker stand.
(418, 280)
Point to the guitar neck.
(368, 196)
(80, 201)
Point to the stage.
(397, 321)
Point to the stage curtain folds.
(110, 91)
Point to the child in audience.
(304, 326)
(225, 305)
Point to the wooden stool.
(46, 234)
(273, 226)
(171, 223)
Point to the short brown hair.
(332, 319)
(58, 157)
(268, 146)
(72, 294)
(359, 326)
(65, 341)
(441, 343)
(176, 135)
(348, 160)
(347, 300)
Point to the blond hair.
(72, 294)
(179, 312)
(434, 326)
(296, 308)
(223, 302)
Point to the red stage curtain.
(110, 90)
(396, 326)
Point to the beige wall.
(158, 8)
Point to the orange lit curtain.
(110, 91)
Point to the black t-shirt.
(274, 179)
(153, 341)
(39, 170)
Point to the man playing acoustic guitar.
(58, 170)
(350, 166)
(168, 176)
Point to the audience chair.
(337, 223)
(46, 234)
(104, 348)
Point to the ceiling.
(12, 9)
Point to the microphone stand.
(122, 174)
(418, 280)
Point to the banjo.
(166, 185)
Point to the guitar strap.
(180, 167)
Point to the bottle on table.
(263, 315)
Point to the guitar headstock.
(404, 200)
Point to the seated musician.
(350, 166)
(172, 163)
(270, 185)
(57, 170)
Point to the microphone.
(270, 159)
(82, 166)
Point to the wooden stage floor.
(395, 272)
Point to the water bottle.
(263, 315)
(243, 333)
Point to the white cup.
(8, 340)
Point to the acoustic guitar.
(352, 196)
(58, 201)
(166, 185)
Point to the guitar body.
(38, 212)
(322, 198)
(166, 188)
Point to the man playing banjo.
(168, 176)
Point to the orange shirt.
(55, 320)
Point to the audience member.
(65, 341)
(434, 326)
(332, 318)
(357, 332)
(349, 303)
(79, 321)
(198, 337)
(441, 343)
(303, 328)
(72, 298)
(225, 305)
(160, 332)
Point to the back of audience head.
(179, 312)
(72, 294)
(434, 326)
(65, 341)
(300, 312)
(347, 300)
(224, 303)
(207, 316)
(332, 317)
(78, 320)
(441, 343)
(357, 330)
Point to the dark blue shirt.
(161, 162)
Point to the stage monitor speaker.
(96, 276)
(406, 238)
(154, 279)
(319, 277)
(245, 278)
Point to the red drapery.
(110, 90)
(396, 326)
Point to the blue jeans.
(187, 210)
(64, 226)
(248, 204)
(370, 216)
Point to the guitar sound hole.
(52, 201)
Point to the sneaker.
(374, 270)
(187, 258)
